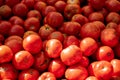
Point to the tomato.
(73, 2)
(109, 37)
(45, 31)
(88, 46)
(6, 54)
(5, 11)
(41, 62)
(52, 19)
(15, 20)
(8, 72)
(57, 67)
(32, 43)
(32, 24)
(53, 48)
(76, 72)
(116, 70)
(23, 60)
(20, 10)
(91, 78)
(28, 74)
(29, 3)
(71, 55)
(12, 3)
(27, 33)
(47, 76)
(105, 53)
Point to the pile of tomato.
(59, 39)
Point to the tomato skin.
(32, 43)
(53, 48)
(105, 53)
(6, 54)
(57, 67)
(8, 72)
(116, 64)
(76, 72)
(47, 76)
(28, 74)
(41, 61)
(32, 24)
(91, 78)
(88, 46)
(23, 60)
(71, 55)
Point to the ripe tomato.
(8, 72)
(6, 54)
(32, 43)
(57, 67)
(53, 48)
(23, 60)
(47, 76)
(71, 55)
(28, 74)
(91, 78)
(76, 72)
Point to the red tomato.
(41, 61)
(88, 46)
(71, 55)
(54, 19)
(23, 60)
(5, 27)
(53, 48)
(6, 54)
(109, 37)
(84, 61)
(47, 76)
(45, 31)
(20, 10)
(105, 53)
(116, 67)
(91, 78)
(32, 24)
(57, 67)
(73, 2)
(8, 72)
(16, 30)
(12, 3)
(27, 33)
(56, 35)
(29, 3)
(103, 70)
(76, 72)
(28, 74)
(32, 43)
(5, 11)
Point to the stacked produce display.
(59, 39)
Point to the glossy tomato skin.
(57, 67)
(29, 3)
(32, 43)
(41, 61)
(71, 55)
(76, 72)
(53, 48)
(88, 46)
(47, 76)
(91, 78)
(28, 74)
(103, 70)
(8, 72)
(23, 60)
(116, 70)
(6, 54)
(105, 53)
